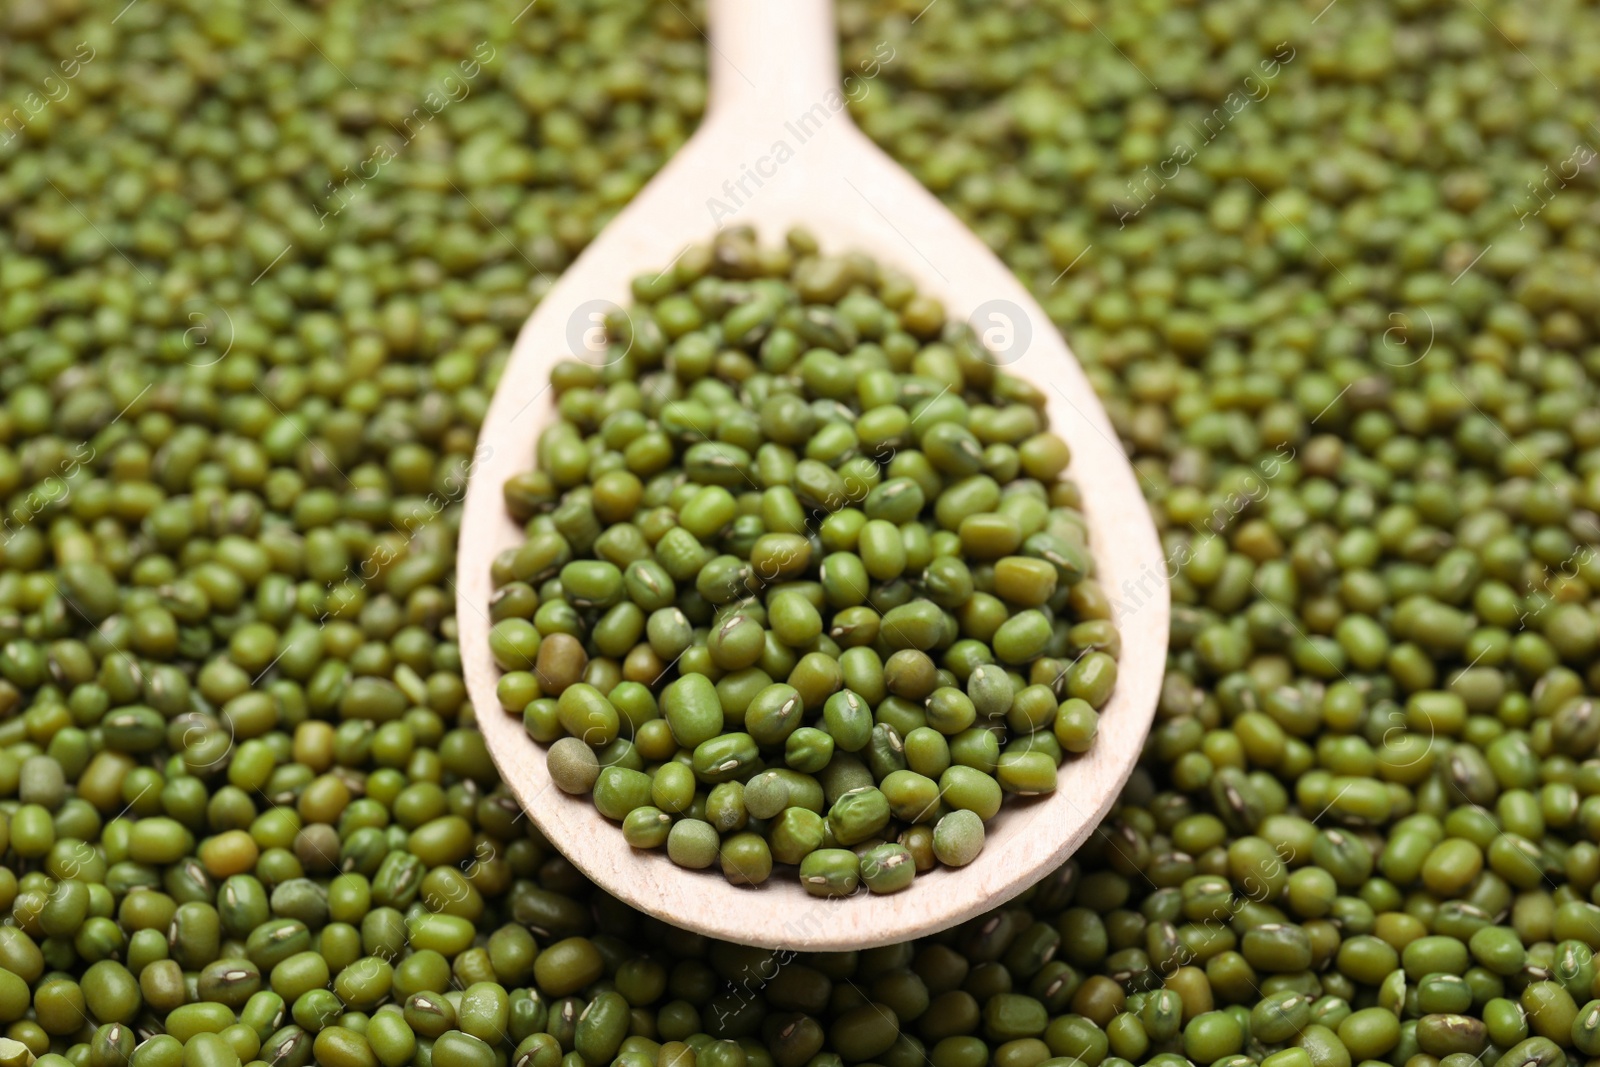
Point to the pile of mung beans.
(803, 580)
(1333, 268)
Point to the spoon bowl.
(777, 149)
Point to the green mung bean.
(245, 360)
(757, 649)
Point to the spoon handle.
(772, 58)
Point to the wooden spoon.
(778, 149)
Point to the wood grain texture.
(773, 63)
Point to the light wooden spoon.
(778, 149)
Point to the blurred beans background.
(1333, 268)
